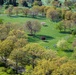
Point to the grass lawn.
(49, 31)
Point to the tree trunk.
(16, 65)
(31, 32)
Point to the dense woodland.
(37, 39)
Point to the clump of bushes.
(1, 21)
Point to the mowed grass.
(49, 31)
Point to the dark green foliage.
(25, 4)
(1, 21)
(1, 2)
(74, 31)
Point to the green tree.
(33, 26)
(66, 69)
(26, 11)
(68, 15)
(19, 57)
(62, 44)
(3, 32)
(53, 14)
(18, 33)
(9, 10)
(44, 67)
(34, 11)
(5, 49)
(35, 51)
(73, 17)
(59, 26)
(21, 43)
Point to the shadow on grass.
(23, 16)
(45, 25)
(65, 32)
(40, 18)
(68, 50)
(37, 38)
(14, 16)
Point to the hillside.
(37, 39)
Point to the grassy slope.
(52, 35)
(50, 32)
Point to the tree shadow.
(40, 18)
(23, 16)
(65, 32)
(68, 50)
(14, 16)
(45, 25)
(37, 38)
(47, 37)
(17, 16)
(57, 20)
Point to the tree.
(49, 54)
(62, 44)
(5, 49)
(26, 11)
(16, 10)
(38, 3)
(19, 57)
(14, 3)
(34, 11)
(63, 11)
(1, 2)
(1, 21)
(65, 25)
(74, 43)
(23, 3)
(73, 17)
(59, 26)
(36, 26)
(56, 3)
(74, 54)
(28, 26)
(66, 69)
(53, 15)
(68, 3)
(35, 52)
(33, 26)
(18, 33)
(47, 8)
(43, 69)
(35, 3)
(3, 32)
(21, 43)
(74, 31)
(9, 10)
(68, 15)
(68, 24)
(42, 10)
(13, 38)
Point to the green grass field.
(49, 31)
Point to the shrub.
(62, 44)
(9, 71)
(6, 6)
(74, 31)
(1, 21)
